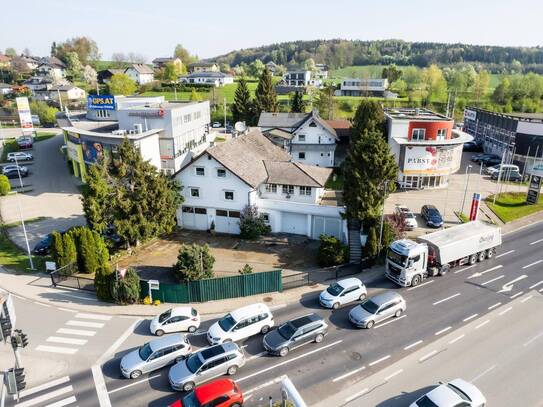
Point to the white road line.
(421, 285)
(79, 297)
(276, 307)
(344, 376)
(390, 376)
(80, 332)
(494, 279)
(482, 324)
(464, 269)
(45, 397)
(67, 310)
(446, 299)
(535, 285)
(495, 305)
(516, 295)
(527, 298)
(82, 315)
(470, 317)
(443, 330)
(42, 304)
(504, 254)
(532, 264)
(456, 339)
(85, 324)
(263, 385)
(356, 395)
(52, 383)
(133, 384)
(56, 349)
(63, 403)
(258, 355)
(71, 341)
(533, 339)
(413, 345)
(536, 242)
(482, 374)
(428, 356)
(18, 296)
(118, 342)
(541, 290)
(100, 386)
(505, 311)
(289, 361)
(482, 273)
(389, 322)
(378, 360)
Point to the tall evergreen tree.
(87, 252)
(265, 96)
(57, 248)
(369, 117)
(69, 255)
(242, 109)
(103, 273)
(97, 197)
(297, 103)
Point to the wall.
(431, 128)
(318, 140)
(296, 197)
(149, 150)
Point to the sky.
(213, 27)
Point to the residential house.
(208, 78)
(203, 67)
(105, 75)
(68, 93)
(362, 87)
(313, 140)
(5, 89)
(38, 84)
(140, 73)
(51, 67)
(23, 63)
(250, 170)
(321, 71)
(161, 62)
(301, 78)
(5, 61)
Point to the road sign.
(532, 196)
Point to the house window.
(271, 188)
(301, 155)
(186, 118)
(301, 137)
(195, 192)
(200, 171)
(266, 217)
(288, 189)
(442, 134)
(305, 191)
(229, 195)
(418, 134)
(312, 124)
(221, 172)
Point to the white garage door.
(195, 218)
(327, 226)
(294, 223)
(227, 222)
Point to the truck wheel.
(490, 253)
(444, 270)
(481, 256)
(472, 259)
(415, 281)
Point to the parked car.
(216, 125)
(295, 333)
(490, 161)
(13, 173)
(240, 324)
(175, 320)
(513, 176)
(376, 309)
(409, 217)
(472, 146)
(432, 216)
(503, 168)
(43, 246)
(24, 142)
(457, 392)
(218, 393)
(19, 156)
(343, 292)
(484, 156)
(205, 365)
(14, 167)
(155, 355)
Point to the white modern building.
(301, 79)
(203, 67)
(362, 87)
(250, 170)
(207, 78)
(140, 73)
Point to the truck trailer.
(409, 262)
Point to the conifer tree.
(57, 248)
(369, 117)
(97, 197)
(265, 96)
(69, 255)
(242, 109)
(297, 103)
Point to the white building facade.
(140, 73)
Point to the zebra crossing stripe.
(85, 324)
(82, 315)
(71, 341)
(62, 403)
(52, 383)
(56, 349)
(80, 332)
(45, 397)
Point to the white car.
(19, 156)
(13, 167)
(216, 125)
(453, 394)
(343, 292)
(410, 219)
(240, 324)
(175, 320)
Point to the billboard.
(25, 117)
(101, 102)
(92, 151)
(470, 114)
(532, 196)
(431, 160)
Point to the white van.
(240, 324)
(504, 168)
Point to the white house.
(301, 79)
(208, 78)
(51, 67)
(313, 140)
(203, 67)
(250, 170)
(362, 87)
(5, 89)
(140, 73)
(67, 92)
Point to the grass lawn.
(335, 182)
(512, 205)
(13, 258)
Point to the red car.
(220, 393)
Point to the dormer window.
(312, 124)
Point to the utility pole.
(60, 100)
(466, 188)
(225, 114)
(382, 216)
(21, 216)
(499, 177)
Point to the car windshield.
(194, 362)
(145, 351)
(396, 257)
(227, 322)
(190, 400)
(460, 393)
(334, 289)
(409, 215)
(370, 306)
(433, 213)
(286, 330)
(164, 316)
(425, 401)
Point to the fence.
(81, 283)
(295, 280)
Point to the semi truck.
(410, 262)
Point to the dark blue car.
(43, 246)
(432, 216)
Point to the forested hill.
(340, 53)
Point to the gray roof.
(64, 87)
(141, 68)
(292, 121)
(160, 60)
(53, 61)
(292, 173)
(207, 75)
(279, 133)
(202, 63)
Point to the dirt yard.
(154, 260)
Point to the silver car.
(205, 365)
(155, 355)
(377, 309)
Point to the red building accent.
(431, 128)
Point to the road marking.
(67, 310)
(535, 285)
(118, 342)
(536, 242)
(494, 279)
(56, 349)
(509, 286)
(45, 397)
(531, 264)
(80, 332)
(517, 295)
(505, 311)
(42, 304)
(260, 387)
(482, 324)
(456, 339)
(413, 345)
(504, 254)
(389, 322)
(470, 317)
(43, 386)
(482, 273)
(483, 373)
(443, 330)
(526, 299)
(289, 361)
(378, 360)
(258, 355)
(495, 305)
(390, 376)
(276, 307)
(63, 403)
(352, 372)
(541, 290)
(92, 316)
(100, 386)
(428, 356)
(85, 324)
(71, 341)
(78, 297)
(533, 339)
(446, 299)
(133, 384)
(421, 285)
(356, 395)
(464, 269)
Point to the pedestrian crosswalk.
(56, 393)
(74, 334)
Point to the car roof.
(442, 395)
(216, 350)
(430, 207)
(181, 311)
(166, 341)
(305, 320)
(209, 391)
(387, 296)
(249, 311)
(348, 282)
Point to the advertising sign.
(148, 113)
(92, 151)
(25, 117)
(475, 203)
(101, 102)
(470, 114)
(72, 150)
(532, 197)
(431, 160)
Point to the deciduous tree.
(184, 55)
(121, 84)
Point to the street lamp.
(468, 168)
(382, 216)
(21, 216)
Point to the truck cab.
(405, 260)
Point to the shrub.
(57, 248)
(69, 255)
(156, 302)
(246, 270)
(252, 224)
(194, 262)
(331, 252)
(370, 249)
(125, 290)
(5, 186)
(147, 300)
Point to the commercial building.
(362, 87)
(427, 147)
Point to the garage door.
(327, 226)
(195, 218)
(227, 221)
(294, 223)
